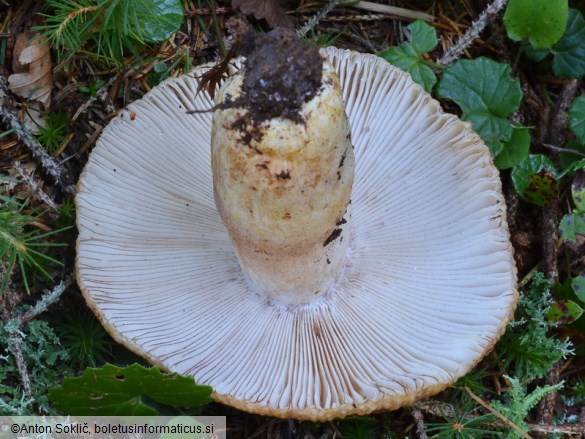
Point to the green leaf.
(571, 225)
(569, 52)
(518, 403)
(564, 312)
(535, 179)
(487, 95)
(113, 390)
(568, 159)
(409, 56)
(515, 150)
(543, 22)
(577, 118)
(578, 285)
(160, 19)
(422, 37)
(481, 85)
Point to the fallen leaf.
(32, 78)
(268, 10)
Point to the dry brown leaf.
(32, 78)
(268, 10)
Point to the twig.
(21, 365)
(546, 407)
(43, 196)
(558, 429)
(217, 27)
(552, 213)
(526, 279)
(558, 124)
(501, 417)
(441, 409)
(24, 135)
(100, 94)
(44, 302)
(550, 237)
(393, 10)
(486, 17)
(315, 19)
(14, 328)
(419, 421)
(558, 149)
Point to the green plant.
(477, 381)
(21, 244)
(66, 214)
(463, 423)
(527, 349)
(324, 39)
(517, 403)
(542, 22)
(578, 390)
(45, 360)
(356, 427)
(409, 56)
(488, 96)
(52, 135)
(84, 337)
(127, 391)
(569, 52)
(536, 179)
(92, 87)
(109, 28)
(161, 71)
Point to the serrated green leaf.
(491, 128)
(487, 95)
(423, 75)
(481, 85)
(569, 60)
(576, 115)
(515, 149)
(564, 312)
(113, 390)
(422, 37)
(408, 56)
(160, 19)
(405, 58)
(571, 225)
(578, 285)
(535, 179)
(543, 22)
(569, 52)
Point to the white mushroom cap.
(428, 286)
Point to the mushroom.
(298, 307)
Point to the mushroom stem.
(282, 187)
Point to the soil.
(281, 74)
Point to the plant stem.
(217, 28)
(44, 302)
(486, 17)
(315, 19)
(43, 196)
(24, 135)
